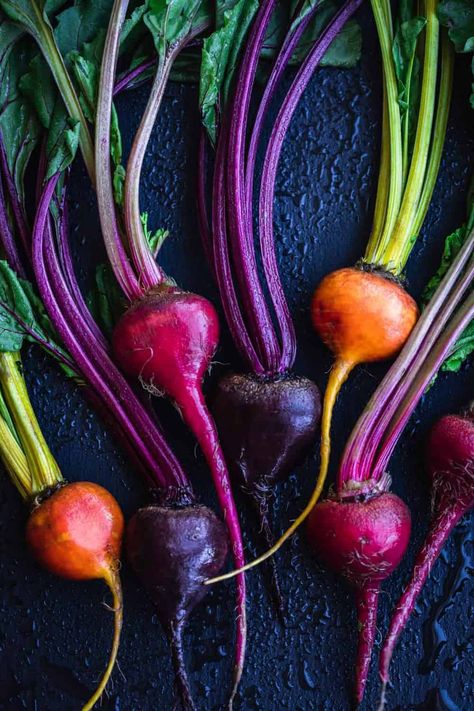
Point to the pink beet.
(450, 459)
(363, 540)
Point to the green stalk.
(381, 200)
(43, 34)
(406, 125)
(44, 471)
(442, 113)
(403, 238)
(377, 244)
(14, 461)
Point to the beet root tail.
(183, 690)
(197, 417)
(260, 502)
(367, 598)
(441, 526)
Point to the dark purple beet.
(266, 427)
(173, 551)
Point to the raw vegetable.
(267, 418)
(25, 315)
(74, 530)
(450, 463)
(363, 314)
(362, 530)
(167, 337)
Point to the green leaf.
(16, 313)
(458, 17)
(63, 140)
(171, 21)
(219, 57)
(407, 69)
(106, 299)
(465, 345)
(24, 318)
(79, 24)
(18, 126)
(155, 239)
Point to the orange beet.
(76, 533)
(362, 316)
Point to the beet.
(266, 427)
(173, 551)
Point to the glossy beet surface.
(173, 551)
(266, 427)
(77, 532)
(450, 445)
(360, 540)
(167, 340)
(361, 316)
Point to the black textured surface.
(54, 635)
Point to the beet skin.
(266, 426)
(173, 551)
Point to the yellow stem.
(14, 460)
(442, 114)
(113, 581)
(382, 16)
(402, 237)
(337, 378)
(380, 210)
(44, 471)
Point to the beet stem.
(367, 599)
(442, 524)
(339, 374)
(119, 261)
(113, 581)
(199, 420)
(183, 690)
(7, 240)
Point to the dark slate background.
(55, 635)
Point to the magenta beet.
(450, 460)
(364, 541)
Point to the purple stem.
(15, 202)
(93, 362)
(222, 265)
(242, 244)
(7, 239)
(130, 76)
(434, 361)
(357, 461)
(270, 167)
(203, 217)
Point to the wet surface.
(55, 635)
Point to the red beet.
(363, 540)
(450, 459)
(173, 551)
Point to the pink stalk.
(121, 266)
